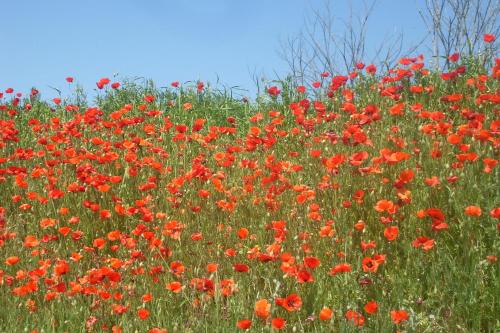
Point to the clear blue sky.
(45, 41)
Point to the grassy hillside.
(364, 203)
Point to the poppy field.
(364, 202)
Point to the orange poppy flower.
(262, 308)
(212, 267)
(157, 330)
(391, 233)
(385, 206)
(30, 241)
(12, 260)
(175, 287)
(473, 210)
(325, 314)
(243, 233)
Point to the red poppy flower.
(454, 57)
(273, 91)
(399, 316)
(278, 323)
(291, 303)
(143, 313)
(175, 287)
(242, 268)
(391, 233)
(489, 38)
(341, 268)
(356, 317)
(312, 262)
(244, 324)
(371, 307)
